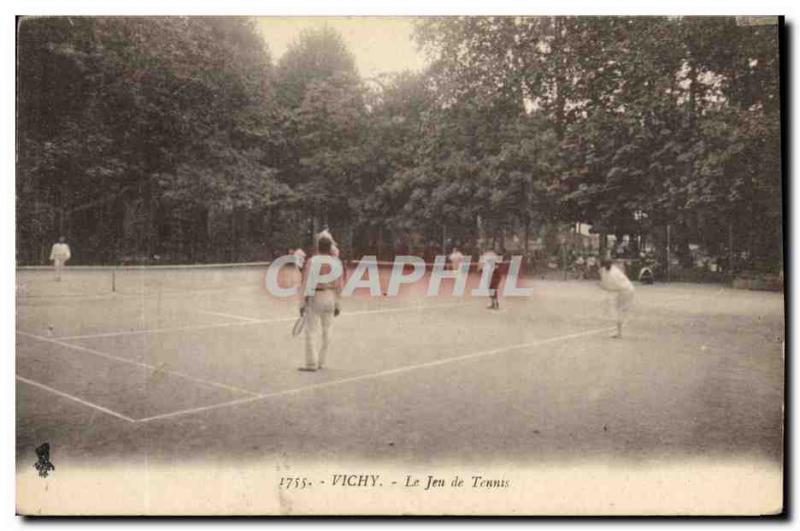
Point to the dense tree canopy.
(646, 113)
(180, 137)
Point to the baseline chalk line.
(380, 374)
(74, 398)
(138, 364)
(232, 316)
(247, 321)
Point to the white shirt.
(299, 258)
(336, 284)
(60, 252)
(614, 279)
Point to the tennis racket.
(298, 326)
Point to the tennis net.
(91, 281)
(87, 281)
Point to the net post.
(113, 279)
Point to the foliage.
(181, 137)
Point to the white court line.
(138, 364)
(379, 374)
(144, 268)
(249, 321)
(220, 314)
(129, 294)
(66, 298)
(345, 314)
(175, 329)
(75, 399)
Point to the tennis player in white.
(320, 308)
(59, 256)
(613, 280)
(490, 260)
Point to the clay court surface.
(201, 365)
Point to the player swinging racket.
(59, 256)
(334, 249)
(613, 280)
(320, 308)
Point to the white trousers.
(58, 263)
(319, 320)
(622, 303)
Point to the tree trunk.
(669, 252)
(683, 250)
(526, 233)
(603, 251)
(379, 243)
(559, 81)
(730, 250)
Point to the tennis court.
(199, 364)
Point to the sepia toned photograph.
(456, 265)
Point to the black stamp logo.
(43, 464)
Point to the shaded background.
(185, 140)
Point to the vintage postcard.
(473, 265)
